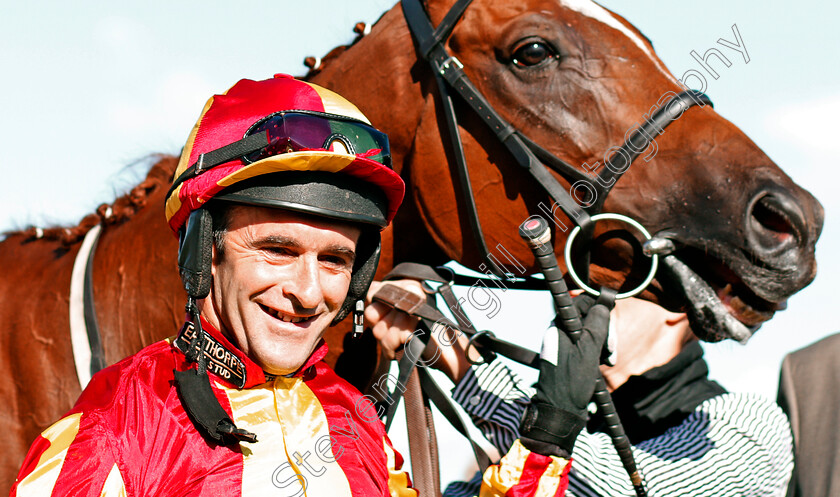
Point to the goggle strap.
(237, 149)
(209, 160)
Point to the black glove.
(568, 372)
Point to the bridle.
(536, 160)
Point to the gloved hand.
(568, 372)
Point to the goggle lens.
(297, 131)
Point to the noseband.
(449, 74)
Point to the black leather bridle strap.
(450, 69)
(462, 170)
(642, 138)
(444, 29)
(554, 162)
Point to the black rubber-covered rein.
(537, 235)
(529, 155)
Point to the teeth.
(283, 317)
(741, 310)
(290, 319)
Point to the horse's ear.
(195, 254)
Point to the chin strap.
(197, 396)
(359, 319)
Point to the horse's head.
(575, 78)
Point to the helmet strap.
(195, 254)
(194, 353)
(359, 319)
(197, 396)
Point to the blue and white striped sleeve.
(731, 445)
(495, 399)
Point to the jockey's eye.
(532, 53)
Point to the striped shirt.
(731, 445)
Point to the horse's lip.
(705, 303)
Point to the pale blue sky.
(88, 87)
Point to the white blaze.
(595, 11)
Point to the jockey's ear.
(195, 254)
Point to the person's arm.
(73, 458)
(495, 399)
(522, 471)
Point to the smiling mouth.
(286, 318)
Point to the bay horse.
(569, 75)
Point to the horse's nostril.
(773, 222)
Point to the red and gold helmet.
(282, 125)
(287, 144)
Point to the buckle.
(444, 66)
(199, 166)
(359, 319)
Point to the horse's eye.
(532, 53)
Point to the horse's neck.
(379, 74)
(135, 271)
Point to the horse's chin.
(715, 313)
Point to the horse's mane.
(160, 174)
(120, 210)
(316, 64)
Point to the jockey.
(278, 200)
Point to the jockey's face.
(279, 282)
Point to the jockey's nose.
(304, 288)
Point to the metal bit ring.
(567, 253)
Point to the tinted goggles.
(299, 130)
(296, 131)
